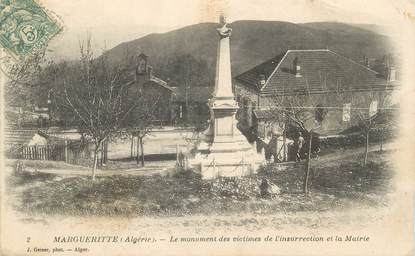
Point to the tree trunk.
(142, 151)
(19, 119)
(366, 148)
(381, 141)
(137, 158)
(132, 145)
(106, 152)
(101, 160)
(66, 152)
(284, 144)
(276, 160)
(307, 174)
(177, 155)
(95, 164)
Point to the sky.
(113, 22)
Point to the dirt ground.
(339, 183)
(159, 141)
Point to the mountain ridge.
(252, 42)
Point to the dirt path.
(341, 154)
(64, 169)
(162, 167)
(143, 171)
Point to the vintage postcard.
(207, 127)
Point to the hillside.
(252, 42)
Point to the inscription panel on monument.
(224, 126)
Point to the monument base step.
(232, 164)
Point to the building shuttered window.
(347, 109)
(373, 108)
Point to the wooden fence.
(74, 153)
(78, 154)
(47, 152)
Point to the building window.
(373, 108)
(392, 74)
(320, 113)
(347, 108)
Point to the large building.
(145, 83)
(332, 90)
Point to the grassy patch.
(342, 183)
(21, 176)
(334, 185)
(43, 164)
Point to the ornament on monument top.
(224, 31)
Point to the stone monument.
(223, 150)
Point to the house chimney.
(298, 71)
(261, 81)
(392, 73)
(297, 68)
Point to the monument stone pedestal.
(223, 150)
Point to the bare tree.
(92, 94)
(366, 124)
(23, 79)
(375, 116)
(140, 122)
(297, 111)
(96, 93)
(368, 111)
(385, 120)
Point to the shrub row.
(356, 139)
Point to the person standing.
(299, 143)
(273, 146)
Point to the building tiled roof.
(321, 70)
(160, 82)
(22, 137)
(251, 77)
(132, 80)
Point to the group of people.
(278, 148)
(297, 143)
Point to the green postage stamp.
(25, 26)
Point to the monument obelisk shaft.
(223, 82)
(224, 151)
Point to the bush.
(181, 173)
(234, 188)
